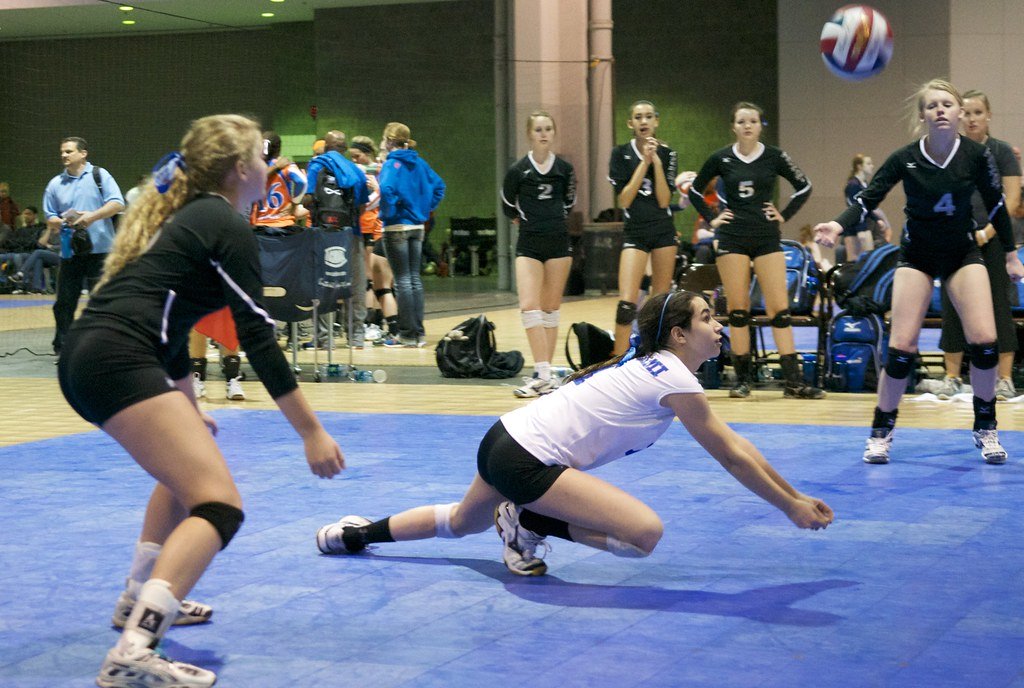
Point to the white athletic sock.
(143, 562)
(151, 616)
(542, 370)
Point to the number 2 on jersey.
(545, 192)
(945, 205)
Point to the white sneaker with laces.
(144, 667)
(878, 444)
(329, 538)
(521, 545)
(372, 333)
(949, 388)
(988, 442)
(234, 389)
(198, 386)
(533, 387)
(1005, 389)
(189, 613)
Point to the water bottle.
(369, 376)
(839, 373)
(809, 363)
(561, 372)
(333, 370)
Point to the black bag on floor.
(595, 345)
(469, 350)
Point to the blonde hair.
(917, 114)
(858, 162)
(537, 114)
(398, 135)
(211, 148)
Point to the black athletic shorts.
(378, 247)
(543, 246)
(511, 470)
(953, 338)
(650, 236)
(752, 246)
(939, 265)
(102, 372)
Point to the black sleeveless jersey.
(748, 185)
(644, 209)
(938, 195)
(541, 201)
(205, 257)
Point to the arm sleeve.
(388, 188)
(111, 191)
(236, 258)
(510, 194)
(696, 193)
(618, 174)
(570, 188)
(802, 185)
(888, 175)
(180, 365)
(990, 186)
(671, 168)
(50, 202)
(439, 189)
(296, 181)
(312, 172)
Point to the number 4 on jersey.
(945, 205)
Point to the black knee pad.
(381, 293)
(898, 363)
(739, 318)
(984, 356)
(369, 284)
(781, 319)
(625, 314)
(645, 283)
(225, 518)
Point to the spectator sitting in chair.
(15, 247)
(30, 276)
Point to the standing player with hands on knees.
(182, 252)
(533, 464)
(940, 173)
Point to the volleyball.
(856, 42)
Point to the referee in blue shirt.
(80, 197)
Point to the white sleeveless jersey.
(615, 412)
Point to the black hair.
(77, 140)
(273, 145)
(654, 322)
(32, 208)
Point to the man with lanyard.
(79, 198)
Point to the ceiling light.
(128, 22)
(126, 8)
(267, 14)
(276, 0)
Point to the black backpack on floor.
(469, 350)
(595, 345)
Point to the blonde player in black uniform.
(642, 172)
(183, 251)
(533, 464)
(749, 229)
(538, 191)
(940, 173)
